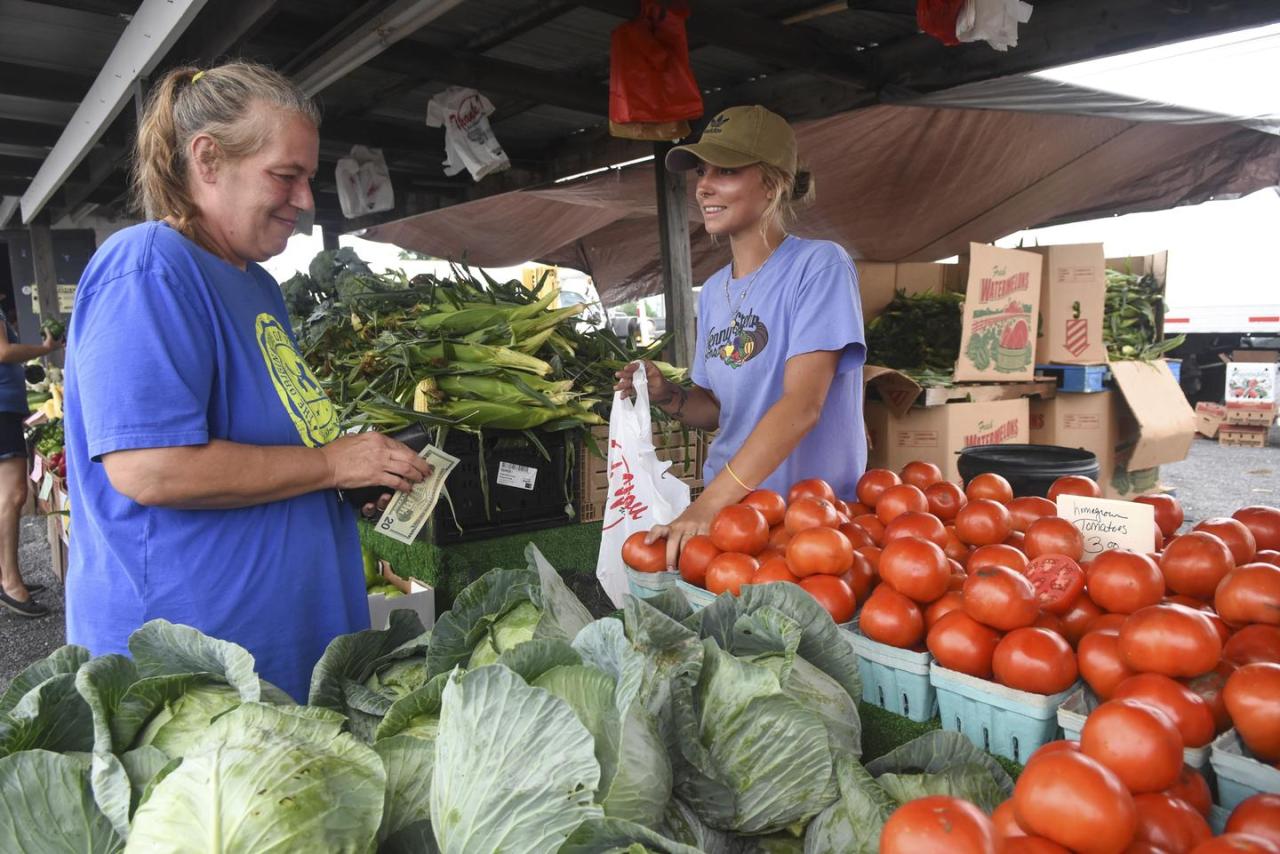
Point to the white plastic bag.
(642, 493)
(364, 184)
(993, 21)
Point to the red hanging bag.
(650, 79)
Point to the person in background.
(204, 457)
(777, 365)
(16, 595)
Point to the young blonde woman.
(777, 367)
(204, 457)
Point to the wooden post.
(42, 262)
(677, 265)
(330, 237)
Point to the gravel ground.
(1212, 481)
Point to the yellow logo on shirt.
(303, 398)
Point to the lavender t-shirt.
(804, 299)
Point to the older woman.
(204, 457)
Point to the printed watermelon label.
(1001, 308)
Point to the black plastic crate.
(510, 506)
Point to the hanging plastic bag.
(642, 493)
(364, 184)
(992, 21)
(469, 142)
(938, 18)
(650, 79)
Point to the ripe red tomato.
(1045, 620)
(1168, 512)
(1267, 556)
(857, 508)
(958, 576)
(955, 549)
(1208, 686)
(645, 558)
(740, 528)
(1139, 743)
(921, 474)
(1056, 746)
(997, 555)
(916, 568)
(1053, 536)
(1169, 824)
(1058, 581)
(769, 503)
(950, 601)
(1169, 639)
(1122, 581)
(890, 618)
(696, 553)
(1075, 801)
(823, 551)
(1189, 712)
(806, 512)
(959, 642)
(1194, 563)
(1263, 523)
(982, 522)
(903, 498)
(1006, 822)
(872, 554)
(1253, 644)
(1234, 533)
(1079, 618)
(774, 569)
(1074, 484)
(857, 535)
(1108, 621)
(1035, 845)
(1259, 815)
(1249, 594)
(1253, 700)
(938, 823)
(729, 571)
(871, 523)
(991, 486)
(945, 499)
(861, 576)
(1236, 843)
(1192, 788)
(779, 537)
(911, 524)
(1028, 508)
(872, 484)
(814, 487)
(1100, 664)
(998, 597)
(1035, 660)
(833, 595)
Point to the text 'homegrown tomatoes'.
(1058, 582)
(1035, 660)
(645, 558)
(739, 528)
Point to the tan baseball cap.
(740, 136)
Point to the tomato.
(806, 512)
(1259, 815)
(856, 509)
(833, 595)
(950, 601)
(1074, 484)
(740, 528)
(959, 642)
(1249, 594)
(872, 554)
(1123, 581)
(1236, 843)
(1028, 508)
(873, 484)
(1058, 582)
(1139, 743)
(1208, 686)
(1263, 523)
(1108, 621)
(823, 551)
(814, 487)
(842, 508)
(1006, 822)
(1234, 533)
(1194, 563)
(1189, 712)
(890, 618)
(1045, 620)
(779, 536)
(858, 536)
(769, 503)
(982, 522)
(729, 571)
(1168, 512)
(1054, 536)
(955, 549)
(1168, 823)
(1253, 644)
(912, 524)
(998, 597)
(915, 568)
(1032, 845)
(1017, 540)
(1100, 663)
(871, 523)
(921, 474)
(860, 577)
(1057, 746)
(1078, 619)
(1075, 801)
(1192, 788)
(991, 486)
(938, 823)
(774, 569)
(644, 557)
(997, 554)
(695, 554)
(1268, 556)
(958, 576)
(945, 499)
(903, 498)
(1035, 660)
(1253, 700)
(1169, 639)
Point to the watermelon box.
(1073, 302)
(1001, 315)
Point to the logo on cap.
(715, 125)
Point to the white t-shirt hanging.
(469, 142)
(993, 21)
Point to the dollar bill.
(408, 512)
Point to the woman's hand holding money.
(372, 459)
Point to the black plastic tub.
(1030, 469)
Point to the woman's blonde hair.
(217, 101)
(789, 192)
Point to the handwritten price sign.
(1108, 524)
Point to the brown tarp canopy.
(894, 183)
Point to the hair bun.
(803, 183)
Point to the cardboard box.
(1156, 264)
(1251, 382)
(937, 434)
(1001, 307)
(1250, 414)
(1209, 417)
(1073, 296)
(878, 281)
(420, 599)
(1243, 436)
(1271, 356)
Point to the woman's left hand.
(696, 519)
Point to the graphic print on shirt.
(308, 406)
(742, 340)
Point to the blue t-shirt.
(13, 380)
(804, 299)
(172, 346)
